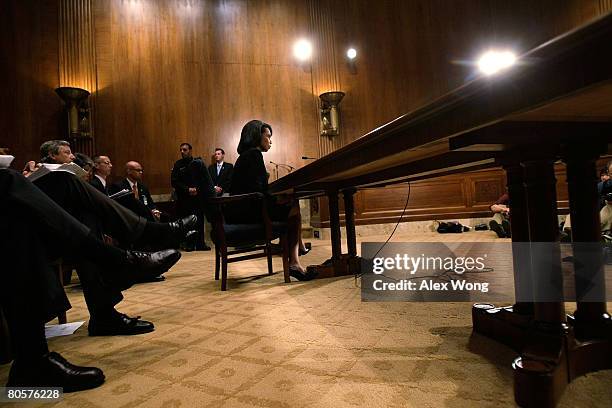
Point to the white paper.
(5, 160)
(56, 330)
(47, 168)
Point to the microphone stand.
(288, 167)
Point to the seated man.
(140, 201)
(103, 215)
(35, 230)
(501, 217)
(102, 169)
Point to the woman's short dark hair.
(250, 137)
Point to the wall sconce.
(75, 100)
(330, 120)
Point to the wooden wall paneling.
(399, 70)
(171, 73)
(29, 108)
(77, 58)
(486, 189)
(156, 61)
(325, 76)
(454, 196)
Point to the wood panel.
(456, 196)
(325, 76)
(400, 70)
(29, 108)
(174, 71)
(171, 72)
(77, 60)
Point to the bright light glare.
(492, 62)
(302, 50)
(351, 53)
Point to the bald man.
(140, 201)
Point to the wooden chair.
(254, 238)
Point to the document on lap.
(6, 160)
(119, 194)
(47, 168)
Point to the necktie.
(218, 169)
(135, 190)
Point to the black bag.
(451, 227)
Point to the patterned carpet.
(314, 344)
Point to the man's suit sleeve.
(97, 184)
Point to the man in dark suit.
(221, 172)
(140, 201)
(102, 169)
(35, 230)
(105, 216)
(184, 179)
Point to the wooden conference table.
(554, 104)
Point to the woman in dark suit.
(250, 176)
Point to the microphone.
(290, 167)
(308, 158)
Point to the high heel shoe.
(301, 276)
(307, 249)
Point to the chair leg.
(217, 262)
(224, 268)
(269, 256)
(285, 248)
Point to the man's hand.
(193, 191)
(156, 213)
(218, 190)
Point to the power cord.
(359, 275)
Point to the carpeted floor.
(264, 343)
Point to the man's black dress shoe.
(53, 370)
(119, 325)
(184, 225)
(203, 248)
(152, 264)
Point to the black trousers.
(101, 215)
(34, 231)
(197, 205)
(86, 204)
